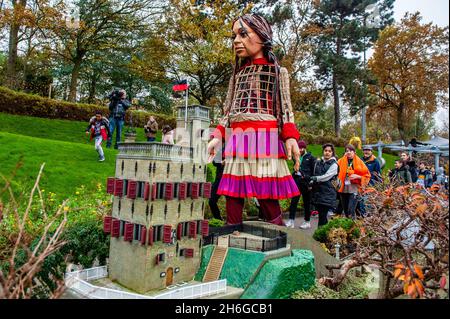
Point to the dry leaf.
(412, 290)
(397, 272)
(421, 209)
(419, 272)
(419, 287)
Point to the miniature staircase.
(215, 265)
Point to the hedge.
(320, 140)
(19, 103)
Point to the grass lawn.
(70, 158)
(68, 165)
(60, 130)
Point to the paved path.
(299, 220)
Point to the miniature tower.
(157, 221)
(197, 124)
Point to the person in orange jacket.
(98, 129)
(354, 176)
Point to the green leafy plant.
(348, 224)
(216, 222)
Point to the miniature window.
(182, 252)
(185, 228)
(161, 188)
(122, 228)
(125, 187)
(176, 190)
(137, 232)
(157, 233)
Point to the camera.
(115, 96)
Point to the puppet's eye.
(243, 34)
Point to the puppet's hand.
(292, 149)
(212, 148)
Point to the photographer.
(117, 109)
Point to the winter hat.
(301, 144)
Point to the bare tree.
(21, 281)
(406, 237)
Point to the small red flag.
(181, 86)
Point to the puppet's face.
(246, 43)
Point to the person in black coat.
(302, 178)
(323, 192)
(218, 163)
(411, 165)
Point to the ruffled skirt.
(255, 163)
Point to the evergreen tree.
(341, 37)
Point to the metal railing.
(77, 281)
(157, 151)
(194, 111)
(196, 291)
(273, 239)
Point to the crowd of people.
(331, 186)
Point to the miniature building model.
(157, 221)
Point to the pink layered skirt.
(255, 163)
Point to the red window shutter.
(107, 221)
(189, 253)
(167, 234)
(143, 235)
(154, 190)
(194, 190)
(169, 191)
(132, 186)
(150, 236)
(128, 236)
(205, 227)
(118, 187)
(110, 185)
(182, 191)
(115, 228)
(179, 231)
(207, 190)
(193, 229)
(146, 191)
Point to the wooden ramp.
(215, 265)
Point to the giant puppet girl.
(258, 126)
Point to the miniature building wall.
(157, 223)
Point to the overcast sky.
(435, 11)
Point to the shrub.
(216, 222)
(320, 140)
(19, 103)
(86, 243)
(348, 224)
